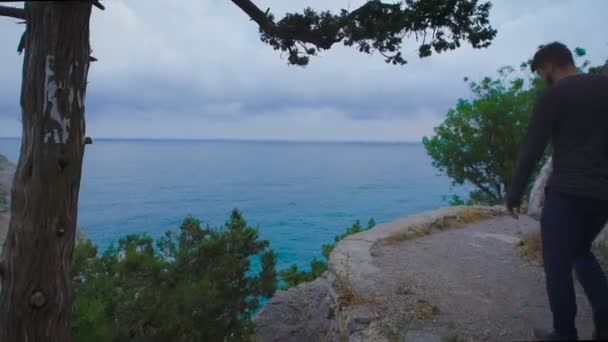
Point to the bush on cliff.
(193, 285)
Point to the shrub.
(193, 285)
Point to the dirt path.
(469, 282)
(463, 282)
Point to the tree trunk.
(36, 298)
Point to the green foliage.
(194, 285)
(378, 26)
(354, 229)
(478, 142)
(454, 200)
(292, 277)
(599, 69)
(326, 249)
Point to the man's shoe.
(545, 335)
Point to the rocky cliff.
(343, 304)
(402, 282)
(451, 274)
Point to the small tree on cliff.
(36, 299)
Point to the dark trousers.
(569, 224)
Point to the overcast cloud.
(197, 69)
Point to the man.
(573, 113)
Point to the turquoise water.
(300, 194)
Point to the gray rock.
(310, 312)
(299, 314)
(421, 336)
(473, 276)
(359, 318)
(352, 257)
(468, 284)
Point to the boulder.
(302, 313)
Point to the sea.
(299, 194)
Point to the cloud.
(198, 69)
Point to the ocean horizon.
(233, 140)
(299, 193)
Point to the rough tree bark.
(36, 299)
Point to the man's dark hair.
(555, 53)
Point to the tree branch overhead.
(376, 26)
(12, 12)
(19, 13)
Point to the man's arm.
(535, 142)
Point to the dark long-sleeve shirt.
(573, 115)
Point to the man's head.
(552, 62)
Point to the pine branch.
(268, 26)
(377, 26)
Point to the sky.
(196, 69)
